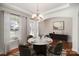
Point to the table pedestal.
(40, 49)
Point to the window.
(33, 28)
(14, 26)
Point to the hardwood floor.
(12, 52)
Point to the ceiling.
(32, 7)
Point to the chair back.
(58, 49)
(24, 50)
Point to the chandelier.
(37, 16)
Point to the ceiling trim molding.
(12, 7)
(13, 12)
(57, 9)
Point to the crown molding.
(12, 7)
(56, 9)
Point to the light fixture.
(37, 16)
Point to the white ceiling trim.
(56, 9)
(16, 8)
(13, 12)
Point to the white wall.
(23, 33)
(28, 26)
(75, 32)
(67, 12)
(46, 26)
(2, 46)
(78, 31)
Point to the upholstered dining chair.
(24, 50)
(57, 50)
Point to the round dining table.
(40, 45)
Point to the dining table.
(40, 45)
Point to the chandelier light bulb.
(34, 16)
(37, 16)
(41, 16)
